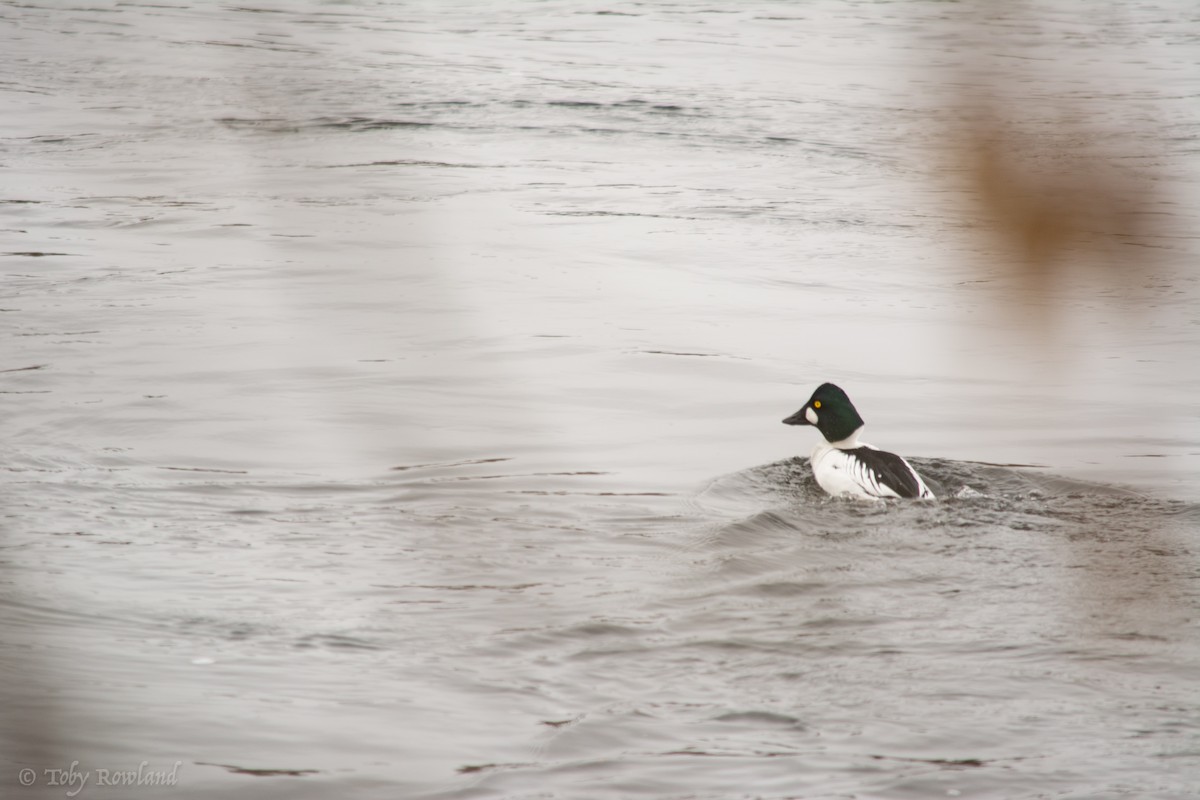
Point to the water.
(392, 398)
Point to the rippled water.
(392, 395)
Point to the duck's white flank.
(843, 473)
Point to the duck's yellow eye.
(816, 403)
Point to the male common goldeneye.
(846, 467)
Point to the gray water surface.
(391, 400)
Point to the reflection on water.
(369, 368)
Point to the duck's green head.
(830, 411)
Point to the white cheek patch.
(810, 415)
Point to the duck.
(847, 467)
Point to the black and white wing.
(884, 474)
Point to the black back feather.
(891, 469)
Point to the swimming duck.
(846, 467)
